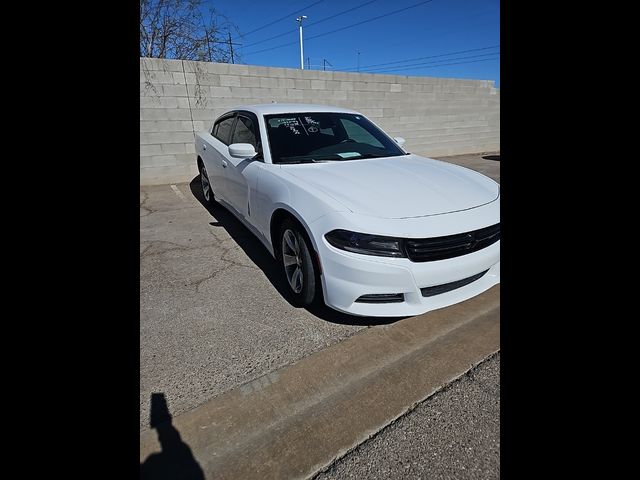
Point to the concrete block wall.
(437, 116)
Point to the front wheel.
(297, 264)
(207, 191)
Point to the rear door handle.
(224, 164)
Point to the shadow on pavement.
(259, 255)
(492, 157)
(175, 461)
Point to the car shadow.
(261, 257)
(495, 158)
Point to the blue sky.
(434, 29)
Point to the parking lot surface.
(214, 312)
(453, 434)
(487, 163)
(211, 313)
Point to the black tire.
(207, 190)
(302, 294)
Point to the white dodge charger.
(353, 219)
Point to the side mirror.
(242, 150)
(399, 140)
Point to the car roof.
(274, 108)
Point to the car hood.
(399, 187)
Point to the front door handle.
(224, 164)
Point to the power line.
(445, 64)
(275, 36)
(423, 58)
(343, 28)
(272, 48)
(370, 19)
(342, 13)
(282, 18)
(428, 63)
(314, 23)
(402, 67)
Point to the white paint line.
(178, 193)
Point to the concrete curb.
(294, 422)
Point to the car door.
(241, 174)
(215, 151)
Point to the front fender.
(278, 191)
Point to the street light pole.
(299, 19)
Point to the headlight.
(366, 244)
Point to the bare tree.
(184, 29)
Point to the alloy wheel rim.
(206, 187)
(292, 260)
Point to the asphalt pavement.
(213, 309)
(453, 434)
(487, 163)
(295, 421)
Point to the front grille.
(440, 248)
(381, 298)
(447, 287)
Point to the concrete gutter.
(296, 421)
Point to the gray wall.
(437, 116)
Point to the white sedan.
(353, 219)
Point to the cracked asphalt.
(453, 434)
(214, 311)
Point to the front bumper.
(347, 276)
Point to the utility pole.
(231, 47)
(324, 64)
(299, 19)
(358, 60)
(309, 63)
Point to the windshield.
(324, 136)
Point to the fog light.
(381, 298)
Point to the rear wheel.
(297, 263)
